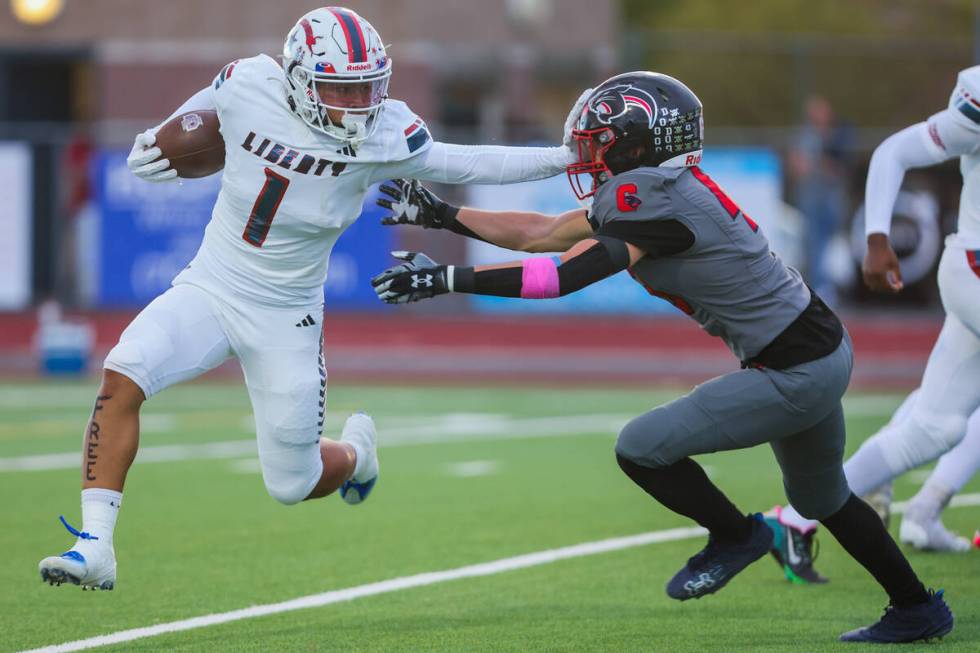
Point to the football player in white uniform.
(922, 526)
(304, 142)
(935, 419)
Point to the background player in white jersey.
(922, 526)
(304, 142)
(937, 416)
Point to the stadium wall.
(565, 350)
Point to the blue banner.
(752, 175)
(149, 232)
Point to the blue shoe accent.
(925, 621)
(74, 531)
(73, 555)
(718, 562)
(353, 492)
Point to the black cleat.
(712, 567)
(794, 551)
(910, 624)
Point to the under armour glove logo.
(419, 277)
(421, 282)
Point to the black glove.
(419, 277)
(414, 204)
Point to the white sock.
(790, 517)
(931, 499)
(99, 510)
(360, 460)
(354, 435)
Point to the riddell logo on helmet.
(692, 159)
(360, 66)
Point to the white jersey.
(953, 132)
(289, 192)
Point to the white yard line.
(403, 431)
(382, 587)
(453, 427)
(872, 405)
(408, 582)
(473, 468)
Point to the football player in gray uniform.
(655, 213)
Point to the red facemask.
(592, 147)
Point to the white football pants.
(187, 331)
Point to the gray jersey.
(728, 279)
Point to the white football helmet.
(337, 72)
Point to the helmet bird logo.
(617, 101)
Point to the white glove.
(144, 161)
(573, 117)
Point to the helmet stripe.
(360, 39)
(308, 32)
(643, 103)
(356, 51)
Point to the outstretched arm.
(527, 231)
(588, 261)
(411, 203)
(945, 135)
(479, 164)
(488, 164)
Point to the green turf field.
(469, 475)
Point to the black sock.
(685, 488)
(859, 530)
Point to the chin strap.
(356, 126)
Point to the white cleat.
(360, 432)
(89, 563)
(931, 535)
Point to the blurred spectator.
(74, 267)
(818, 171)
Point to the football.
(193, 143)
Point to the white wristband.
(450, 277)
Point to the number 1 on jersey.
(264, 209)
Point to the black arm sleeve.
(655, 237)
(608, 256)
(447, 215)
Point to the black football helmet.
(633, 120)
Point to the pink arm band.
(539, 279)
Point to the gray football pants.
(796, 410)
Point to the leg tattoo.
(92, 438)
